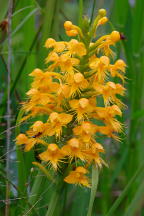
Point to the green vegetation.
(121, 188)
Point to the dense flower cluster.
(75, 90)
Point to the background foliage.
(121, 186)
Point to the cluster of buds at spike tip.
(78, 73)
(71, 30)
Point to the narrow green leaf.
(125, 191)
(44, 170)
(119, 166)
(93, 9)
(19, 73)
(137, 201)
(80, 12)
(119, 13)
(95, 175)
(20, 158)
(138, 114)
(53, 203)
(138, 20)
(41, 3)
(36, 187)
(50, 26)
(3, 9)
(24, 21)
(55, 198)
(22, 9)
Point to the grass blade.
(125, 191)
(137, 201)
(93, 189)
(22, 9)
(8, 132)
(80, 12)
(24, 21)
(20, 158)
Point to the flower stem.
(22, 178)
(95, 176)
(36, 187)
(54, 200)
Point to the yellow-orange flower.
(102, 21)
(85, 131)
(107, 41)
(76, 48)
(75, 101)
(71, 30)
(76, 83)
(57, 46)
(55, 123)
(82, 107)
(109, 92)
(28, 142)
(100, 66)
(73, 149)
(118, 69)
(53, 155)
(78, 177)
(43, 81)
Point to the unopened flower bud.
(50, 42)
(120, 63)
(72, 33)
(102, 21)
(102, 12)
(68, 25)
(115, 36)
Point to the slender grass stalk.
(36, 186)
(8, 134)
(137, 201)
(20, 72)
(95, 177)
(21, 10)
(125, 191)
(20, 194)
(55, 198)
(134, 57)
(119, 166)
(93, 9)
(80, 12)
(3, 8)
(44, 170)
(20, 158)
(50, 25)
(24, 21)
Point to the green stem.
(36, 186)
(95, 175)
(19, 73)
(20, 157)
(33, 198)
(55, 198)
(80, 12)
(93, 9)
(125, 191)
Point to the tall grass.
(121, 189)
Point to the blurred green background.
(121, 186)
